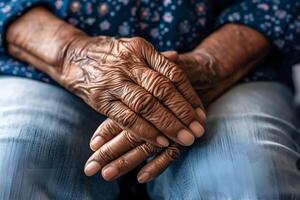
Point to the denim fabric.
(44, 143)
(250, 150)
(296, 81)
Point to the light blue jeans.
(251, 149)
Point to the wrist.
(71, 54)
(234, 46)
(222, 59)
(200, 67)
(43, 37)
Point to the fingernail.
(96, 143)
(144, 177)
(92, 168)
(201, 114)
(162, 141)
(197, 128)
(185, 137)
(110, 173)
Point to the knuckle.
(104, 156)
(144, 103)
(141, 44)
(139, 40)
(126, 118)
(162, 88)
(107, 131)
(176, 74)
(185, 112)
(123, 163)
(133, 141)
(112, 127)
(107, 134)
(101, 157)
(173, 153)
(148, 149)
(101, 105)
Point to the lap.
(44, 138)
(250, 150)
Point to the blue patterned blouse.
(169, 25)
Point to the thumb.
(170, 55)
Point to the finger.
(130, 121)
(171, 55)
(128, 161)
(144, 103)
(110, 151)
(164, 90)
(105, 132)
(156, 166)
(173, 72)
(109, 129)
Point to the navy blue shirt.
(169, 25)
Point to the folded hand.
(117, 151)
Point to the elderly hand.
(117, 151)
(130, 82)
(217, 63)
(114, 90)
(125, 79)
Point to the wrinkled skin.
(125, 79)
(121, 152)
(212, 85)
(146, 97)
(209, 75)
(132, 84)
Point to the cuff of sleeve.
(14, 9)
(271, 18)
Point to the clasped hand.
(148, 99)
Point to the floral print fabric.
(168, 24)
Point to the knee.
(259, 171)
(36, 132)
(241, 156)
(255, 98)
(20, 155)
(44, 142)
(231, 169)
(42, 129)
(35, 149)
(41, 139)
(27, 147)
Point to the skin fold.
(125, 79)
(146, 95)
(216, 64)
